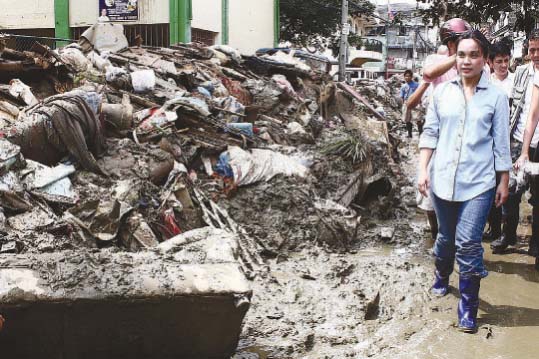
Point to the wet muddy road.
(321, 310)
(508, 315)
(374, 303)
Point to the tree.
(482, 11)
(316, 23)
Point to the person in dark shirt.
(406, 91)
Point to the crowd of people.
(479, 126)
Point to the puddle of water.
(253, 352)
(248, 350)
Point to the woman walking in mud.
(467, 125)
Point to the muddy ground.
(373, 300)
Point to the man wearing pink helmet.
(440, 68)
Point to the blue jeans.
(461, 226)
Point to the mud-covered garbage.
(2, 222)
(229, 51)
(118, 117)
(74, 56)
(51, 184)
(259, 165)
(155, 143)
(97, 220)
(143, 80)
(62, 125)
(19, 90)
(283, 58)
(104, 37)
(194, 154)
(10, 156)
(11, 247)
(137, 234)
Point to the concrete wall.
(35, 14)
(251, 24)
(26, 14)
(86, 12)
(207, 15)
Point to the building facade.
(399, 46)
(244, 24)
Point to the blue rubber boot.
(469, 303)
(444, 268)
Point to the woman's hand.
(423, 182)
(521, 161)
(2, 320)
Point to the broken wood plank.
(348, 89)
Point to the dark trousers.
(511, 208)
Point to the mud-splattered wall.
(251, 24)
(26, 14)
(39, 14)
(207, 15)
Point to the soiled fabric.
(104, 37)
(61, 125)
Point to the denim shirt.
(471, 139)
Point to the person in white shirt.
(103, 17)
(499, 60)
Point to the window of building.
(157, 35)
(203, 36)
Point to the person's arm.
(529, 130)
(502, 154)
(423, 181)
(427, 145)
(438, 69)
(415, 98)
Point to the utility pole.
(345, 29)
(386, 45)
(414, 48)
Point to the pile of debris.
(154, 142)
(131, 148)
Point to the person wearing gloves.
(467, 124)
(527, 151)
(522, 104)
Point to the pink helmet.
(453, 28)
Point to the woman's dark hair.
(478, 36)
(408, 72)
